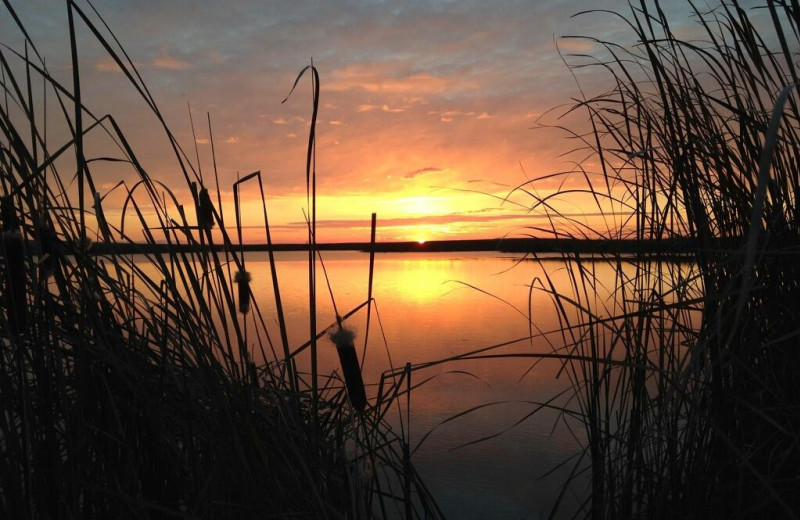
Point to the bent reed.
(143, 392)
(687, 380)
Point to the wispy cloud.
(446, 116)
(451, 218)
(359, 77)
(168, 62)
(106, 64)
(421, 171)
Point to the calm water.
(428, 312)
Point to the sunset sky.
(425, 116)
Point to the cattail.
(15, 300)
(49, 248)
(205, 210)
(242, 279)
(343, 339)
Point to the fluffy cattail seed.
(343, 339)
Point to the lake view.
(433, 306)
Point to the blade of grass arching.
(219, 192)
(311, 200)
(565, 486)
(78, 121)
(139, 85)
(31, 113)
(754, 231)
(538, 407)
(324, 270)
(291, 371)
(373, 226)
(194, 142)
(319, 335)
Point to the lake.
(433, 306)
(428, 312)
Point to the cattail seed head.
(343, 339)
(205, 210)
(242, 279)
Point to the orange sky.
(425, 115)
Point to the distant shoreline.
(679, 246)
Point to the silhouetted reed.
(132, 387)
(687, 380)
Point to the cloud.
(202, 140)
(335, 122)
(421, 171)
(447, 116)
(167, 62)
(279, 121)
(577, 45)
(386, 108)
(428, 220)
(291, 135)
(415, 221)
(232, 140)
(484, 115)
(106, 64)
(365, 78)
(215, 57)
(366, 108)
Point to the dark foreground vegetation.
(128, 394)
(154, 389)
(688, 380)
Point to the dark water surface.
(428, 312)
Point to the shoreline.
(679, 246)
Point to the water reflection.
(427, 314)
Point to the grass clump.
(132, 387)
(686, 380)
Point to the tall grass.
(688, 380)
(149, 387)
